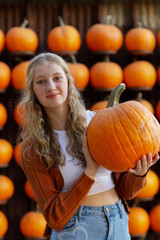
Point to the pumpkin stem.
(115, 95)
(73, 59)
(107, 58)
(139, 24)
(139, 96)
(25, 23)
(136, 202)
(60, 20)
(107, 20)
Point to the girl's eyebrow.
(41, 76)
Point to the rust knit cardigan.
(58, 207)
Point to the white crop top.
(72, 170)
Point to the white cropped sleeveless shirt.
(71, 171)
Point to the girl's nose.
(51, 86)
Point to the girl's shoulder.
(89, 115)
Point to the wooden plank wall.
(81, 14)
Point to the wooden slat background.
(42, 16)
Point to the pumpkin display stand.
(35, 238)
(141, 52)
(65, 53)
(4, 165)
(22, 53)
(2, 202)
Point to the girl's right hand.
(92, 165)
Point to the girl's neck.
(58, 119)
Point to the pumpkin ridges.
(141, 129)
(150, 121)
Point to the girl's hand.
(144, 164)
(92, 166)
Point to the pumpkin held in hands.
(121, 133)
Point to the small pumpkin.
(145, 102)
(158, 38)
(5, 76)
(64, 38)
(99, 105)
(19, 114)
(104, 37)
(6, 188)
(158, 110)
(120, 134)
(139, 222)
(155, 218)
(21, 39)
(105, 75)
(32, 224)
(140, 41)
(6, 152)
(3, 115)
(2, 40)
(80, 73)
(140, 74)
(28, 190)
(3, 224)
(151, 188)
(17, 153)
(158, 75)
(18, 75)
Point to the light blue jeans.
(108, 222)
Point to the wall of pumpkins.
(99, 60)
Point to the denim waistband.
(100, 210)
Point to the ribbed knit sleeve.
(57, 207)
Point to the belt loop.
(80, 213)
(120, 208)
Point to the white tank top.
(71, 171)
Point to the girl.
(79, 199)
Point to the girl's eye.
(40, 81)
(57, 78)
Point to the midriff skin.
(108, 197)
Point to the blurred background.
(106, 42)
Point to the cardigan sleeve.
(128, 184)
(57, 207)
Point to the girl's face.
(50, 85)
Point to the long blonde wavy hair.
(36, 125)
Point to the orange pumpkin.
(144, 102)
(141, 74)
(120, 134)
(28, 190)
(64, 38)
(3, 115)
(5, 76)
(6, 188)
(32, 224)
(19, 39)
(17, 153)
(158, 110)
(3, 224)
(6, 152)
(105, 75)
(18, 75)
(158, 38)
(104, 37)
(151, 188)
(2, 40)
(139, 221)
(19, 114)
(158, 75)
(99, 105)
(80, 74)
(140, 41)
(155, 218)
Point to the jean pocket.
(70, 225)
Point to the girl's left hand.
(144, 164)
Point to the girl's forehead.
(47, 68)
